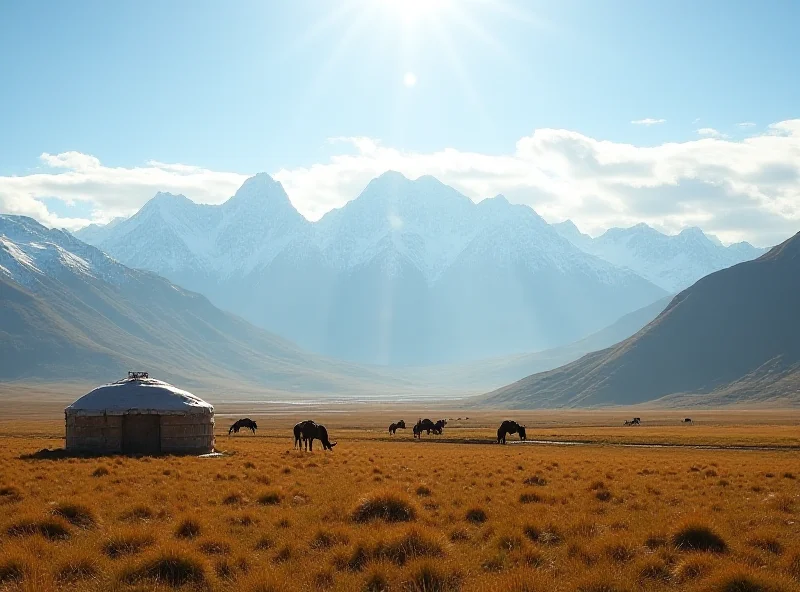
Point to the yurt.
(140, 415)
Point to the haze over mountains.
(68, 311)
(409, 272)
(734, 336)
(671, 262)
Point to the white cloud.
(746, 124)
(746, 189)
(648, 121)
(110, 191)
(710, 132)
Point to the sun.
(414, 10)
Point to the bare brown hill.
(732, 337)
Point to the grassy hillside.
(734, 335)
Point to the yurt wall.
(95, 433)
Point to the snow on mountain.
(394, 276)
(671, 262)
(95, 233)
(424, 221)
(29, 252)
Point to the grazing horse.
(634, 421)
(438, 427)
(298, 433)
(243, 424)
(313, 431)
(510, 427)
(423, 425)
(688, 420)
(400, 425)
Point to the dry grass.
(402, 516)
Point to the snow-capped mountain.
(671, 262)
(410, 272)
(68, 310)
(29, 252)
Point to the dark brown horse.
(438, 427)
(311, 431)
(423, 425)
(400, 425)
(510, 427)
(298, 433)
(243, 424)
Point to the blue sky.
(252, 86)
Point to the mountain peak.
(260, 189)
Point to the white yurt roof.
(146, 395)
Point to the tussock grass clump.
(620, 552)
(545, 536)
(766, 542)
(123, 545)
(741, 582)
(476, 516)
(12, 571)
(170, 567)
(535, 480)
(376, 582)
(386, 506)
(188, 528)
(244, 520)
(264, 543)
(656, 541)
(101, 471)
(413, 544)
(233, 499)
(428, 577)
(698, 537)
(603, 495)
(653, 569)
(356, 559)
(530, 498)
(10, 494)
(50, 528)
(325, 539)
(224, 569)
(284, 554)
(423, 491)
(77, 569)
(459, 535)
(213, 547)
(784, 503)
(692, 568)
(137, 513)
(76, 514)
(271, 498)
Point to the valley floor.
(383, 512)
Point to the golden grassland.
(391, 513)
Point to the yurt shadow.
(139, 415)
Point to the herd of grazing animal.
(307, 431)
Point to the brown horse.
(243, 424)
(510, 427)
(312, 431)
(298, 433)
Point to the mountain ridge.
(733, 335)
(405, 251)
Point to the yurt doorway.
(141, 434)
